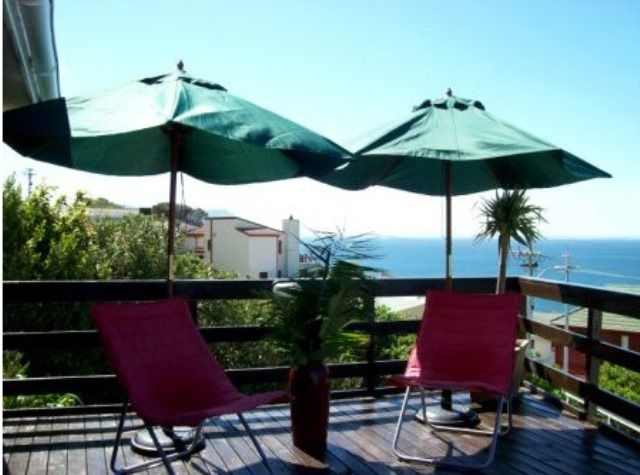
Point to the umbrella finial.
(449, 92)
(180, 66)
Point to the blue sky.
(568, 72)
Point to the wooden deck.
(543, 441)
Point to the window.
(279, 247)
(624, 342)
(279, 274)
(209, 244)
(264, 275)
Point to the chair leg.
(254, 440)
(438, 461)
(163, 459)
(424, 404)
(116, 445)
(163, 455)
(506, 431)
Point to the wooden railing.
(54, 292)
(597, 301)
(371, 370)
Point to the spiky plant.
(310, 315)
(509, 215)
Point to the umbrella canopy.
(452, 146)
(484, 153)
(127, 130)
(170, 123)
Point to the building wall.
(544, 348)
(195, 242)
(291, 248)
(578, 360)
(263, 256)
(230, 247)
(248, 253)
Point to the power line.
(529, 258)
(607, 274)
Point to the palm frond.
(509, 215)
(310, 318)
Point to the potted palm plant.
(510, 215)
(309, 321)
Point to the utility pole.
(30, 174)
(529, 259)
(567, 268)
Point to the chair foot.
(170, 439)
(164, 458)
(438, 461)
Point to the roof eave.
(30, 61)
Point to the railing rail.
(597, 300)
(54, 292)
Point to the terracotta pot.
(309, 398)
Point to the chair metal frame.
(439, 461)
(118, 326)
(164, 457)
(437, 363)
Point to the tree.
(619, 380)
(45, 238)
(104, 203)
(185, 213)
(49, 238)
(510, 215)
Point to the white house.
(250, 249)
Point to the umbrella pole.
(448, 184)
(445, 414)
(169, 438)
(176, 142)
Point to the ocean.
(597, 262)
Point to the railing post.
(371, 378)
(524, 306)
(594, 332)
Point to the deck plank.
(346, 432)
(280, 418)
(415, 439)
(40, 452)
(76, 453)
(582, 433)
(58, 448)
(18, 437)
(242, 445)
(544, 440)
(94, 446)
(131, 428)
(277, 452)
(222, 445)
(595, 455)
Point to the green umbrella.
(452, 146)
(170, 123)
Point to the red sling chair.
(465, 343)
(169, 375)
